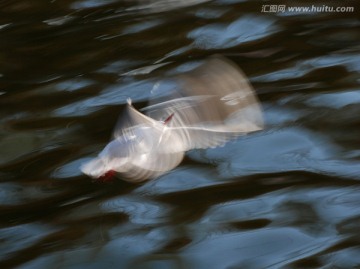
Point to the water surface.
(285, 197)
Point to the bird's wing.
(129, 123)
(215, 103)
(137, 134)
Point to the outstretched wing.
(215, 103)
(130, 121)
(140, 135)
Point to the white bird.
(214, 104)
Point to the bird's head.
(98, 169)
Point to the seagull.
(211, 105)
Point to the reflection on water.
(286, 197)
(245, 29)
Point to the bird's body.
(214, 104)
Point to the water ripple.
(139, 212)
(245, 29)
(283, 197)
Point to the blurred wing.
(214, 104)
(137, 135)
(127, 127)
(210, 137)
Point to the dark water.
(286, 197)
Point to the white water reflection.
(59, 20)
(245, 29)
(141, 26)
(301, 68)
(270, 248)
(150, 6)
(91, 3)
(73, 84)
(140, 210)
(180, 179)
(112, 95)
(335, 100)
(272, 151)
(19, 237)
